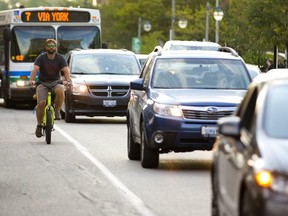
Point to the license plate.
(208, 131)
(109, 103)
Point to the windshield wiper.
(81, 73)
(108, 73)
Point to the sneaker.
(38, 131)
(57, 116)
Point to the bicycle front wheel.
(48, 128)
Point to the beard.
(51, 51)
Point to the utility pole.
(172, 31)
(207, 21)
(217, 25)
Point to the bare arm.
(33, 74)
(66, 72)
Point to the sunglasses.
(51, 45)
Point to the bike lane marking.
(132, 198)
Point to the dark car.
(176, 101)
(249, 169)
(100, 82)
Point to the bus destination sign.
(55, 16)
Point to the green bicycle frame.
(49, 107)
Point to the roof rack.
(229, 50)
(77, 49)
(157, 50)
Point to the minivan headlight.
(167, 110)
(79, 88)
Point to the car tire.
(133, 149)
(69, 118)
(247, 204)
(149, 157)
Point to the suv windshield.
(103, 63)
(199, 73)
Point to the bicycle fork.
(49, 107)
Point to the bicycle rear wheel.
(48, 128)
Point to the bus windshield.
(28, 42)
(83, 37)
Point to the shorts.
(42, 91)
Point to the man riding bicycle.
(49, 64)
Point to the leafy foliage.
(252, 27)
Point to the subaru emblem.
(212, 110)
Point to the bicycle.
(49, 111)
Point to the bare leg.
(59, 99)
(40, 111)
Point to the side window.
(248, 112)
(146, 72)
(68, 59)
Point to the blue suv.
(176, 101)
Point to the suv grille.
(109, 91)
(203, 115)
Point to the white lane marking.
(134, 200)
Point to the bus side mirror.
(7, 34)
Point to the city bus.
(23, 33)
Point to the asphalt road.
(85, 171)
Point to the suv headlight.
(79, 88)
(167, 110)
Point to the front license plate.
(208, 131)
(109, 103)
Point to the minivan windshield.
(105, 63)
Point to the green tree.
(120, 22)
(255, 26)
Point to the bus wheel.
(9, 103)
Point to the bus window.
(1, 47)
(28, 42)
(83, 37)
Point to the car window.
(146, 73)
(200, 73)
(248, 117)
(276, 118)
(99, 63)
(189, 47)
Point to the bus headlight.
(20, 83)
